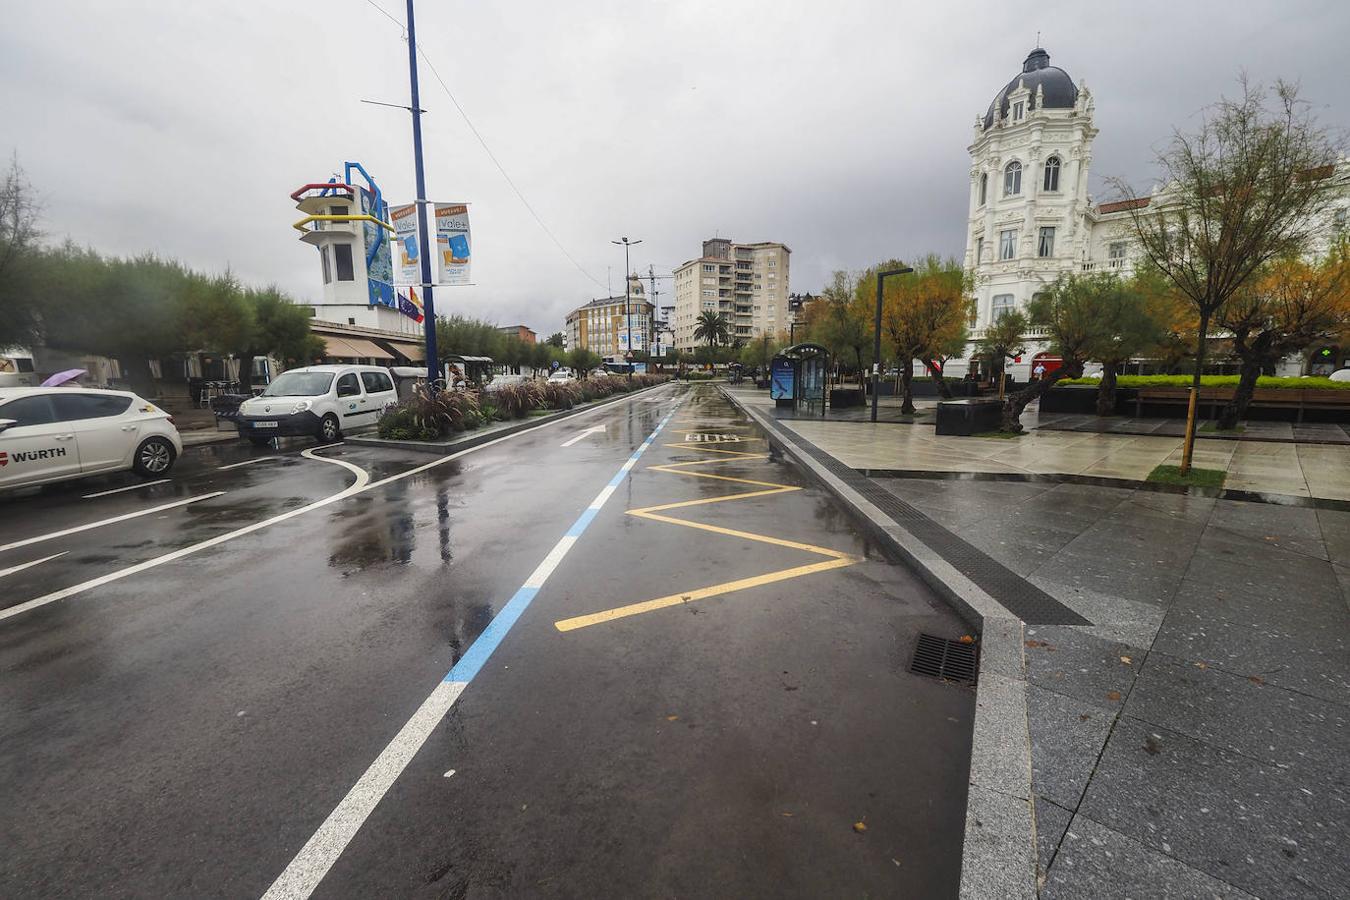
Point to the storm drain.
(946, 659)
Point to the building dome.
(1059, 91)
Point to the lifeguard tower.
(348, 222)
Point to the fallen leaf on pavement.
(1201, 665)
(859, 827)
(1126, 660)
(1113, 695)
(967, 639)
(671, 718)
(1255, 679)
(786, 815)
(1151, 746)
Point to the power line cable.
(488, 150)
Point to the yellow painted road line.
(715, 590)
(837, 559)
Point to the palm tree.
(710, 328)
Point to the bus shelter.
(797, 378)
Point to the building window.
(1012, 179)
(1007, 244)
(772, 263)
(1052, 174)
(708, 267)
(979, 250)
(984, 187)
(1000, 307)
(1117, 254)
(342, 260)
(327, 269)
(1046, 246)
(709, 293)
(1018, 108)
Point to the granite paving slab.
(1051, 823)
(1065, 660)
(1096, 863)
(1242, 820)
(1067, 735)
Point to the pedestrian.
(1039, 371)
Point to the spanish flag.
(409, 305)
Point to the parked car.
(57, 433)
(562, 375)
(317, 400)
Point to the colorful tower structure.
(348, 222)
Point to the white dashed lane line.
(130, 487)
(14, 545)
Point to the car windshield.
(299, 384)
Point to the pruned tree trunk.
(935, 370)
(1017, 402)
(1242, 396)
(907, 389)
(1106, 391)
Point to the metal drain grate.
(946, 659)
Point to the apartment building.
(599, 325)
(746, 284)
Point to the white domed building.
(1030, 216)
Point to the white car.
(57, 433)
(317, 400)
(561, 375)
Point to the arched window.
(984, 187)
(1012, 179)
(1052, 174)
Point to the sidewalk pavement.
(1292, 469)
(1191, 741)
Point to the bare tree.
(1244, 188)
(20, 255)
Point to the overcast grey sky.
(838, 128)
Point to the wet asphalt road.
(183, 730)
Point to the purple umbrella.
(63, 377)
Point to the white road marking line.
(247, 462)
(315, 858)
(589, 431)
(362, 484)
(101, 522)
(21, 566)
(130, 487)
(309, 866)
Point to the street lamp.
(876, 336)
(627, 293)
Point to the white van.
(319, 400)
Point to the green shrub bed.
(1184, 381)
(429, 415)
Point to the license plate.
(264, 424)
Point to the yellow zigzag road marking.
(837, 560)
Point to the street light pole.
(876, 336)
(429, 302)
(627, 295)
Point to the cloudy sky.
(838, 128)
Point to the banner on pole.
(450, 229)
(409, 259)
(452, 243)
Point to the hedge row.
(1184, 381)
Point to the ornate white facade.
(1030, 217)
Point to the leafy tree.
(923, 317)
(582, 361)
(1002, 341)
(1126, 327)
(1291, 304)
(841, 322)
(1244, 189)
(20, 259)
(556, 339)
(213, 313)
(128, 309)
(1069, 314)
(757, 353)
(280, 329)
(710, 328)
(464, 336)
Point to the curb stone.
(999, 856)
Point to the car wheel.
(328, 428)
(153, 457)
(260, 441)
